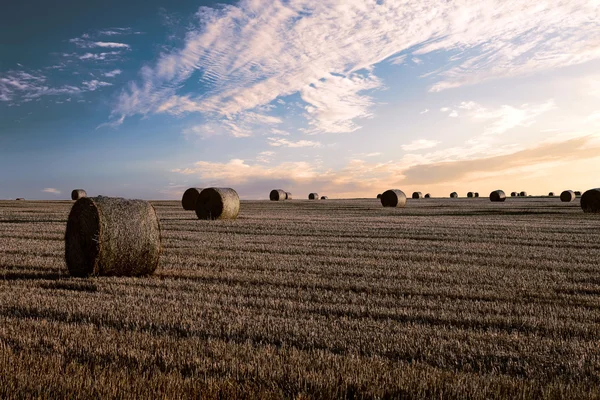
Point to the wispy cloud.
(94, 84)
(113, 73)
(88, 44)
(420, 144)
(104, 56)
(51, 190)
(280, 142)
(250, 54)
(507, 117)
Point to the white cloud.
(399, 60)
(508, 117)
(51, 190)
(453, 114)
(280, 142)
(94, 84)
(255, 52)
(113, 73)
(84, 43)
(23, 86)
(420, 144)
(109, 55)
(425, 111)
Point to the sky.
(346, 98)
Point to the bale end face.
(112, 236)
(324, 197)
(218, 203)
(476, 194)
(313, 196)
(590, 201)
(470, 194)
(393, 198)
(551, 194)
(78, 194)
(427, 196)
(497, 196)
(523, 194)
(453, 195)
(189, 198)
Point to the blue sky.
(343, 97)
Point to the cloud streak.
(250, 54)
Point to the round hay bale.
(189, 198)
(513, 194)
(427, 196)
(218, 203)
(577, 193)
(393, 198)
(453, 195)
(567, 196)
(417, 195)
(324, 197)
(497, 195)
(313, 196)
(476, 194)
(112, 236)
(19, 199)
(379, 196)
(288, 196)
(551, 194)
(590, 201)
(470, 194)
(78, 194)
(523, 194)
(277, 195)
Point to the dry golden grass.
(458, 298)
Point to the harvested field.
(445, 298)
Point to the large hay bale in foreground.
(112, 236)
(417, 195)
(523, 194)
(567, 196)
(427, 195)
(393, 198)
(277, 195)
(313, 196)
(470, 194)
(513, 194)
(288, 196)
(590, 201)
(218, 203)
(189, 198)
(476, 194)
(497, 195)
(453, 195)
(77, 194)
(324, 197)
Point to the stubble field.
(339, 298)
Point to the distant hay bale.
(567, 196)
(551, 194)
(189, 198)
(427, 196)
(218, 203)
(476, 194)
(112, 236)
(497, 195)
(324, 197)
(523, 194)
(590, 201)
(393, 198)
(513, 194)
(379, 196)
(417, 195)
(78, 194)
(288, 196)
(577, 193)
(453, 195)
(19, 199)
(470, 194)
(313, 196)
(277, 195)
